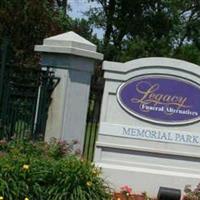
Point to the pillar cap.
(69, 43)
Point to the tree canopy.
(132, 29)
(144, 28)
(27, 22)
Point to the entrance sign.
(149, 130)
(161, 99)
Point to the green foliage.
(37, 170)
(79, 26)
(26, 23)
(144, 28)
(188, 52)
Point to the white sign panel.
(158, 135)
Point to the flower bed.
(126, 193)
(192, 194)
(120, 196)
(41, 171)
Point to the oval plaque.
(162, 99)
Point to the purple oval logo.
(162, 99)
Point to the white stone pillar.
(73, 59)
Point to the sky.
(79, 7)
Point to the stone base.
(145, 171)
(146, 180)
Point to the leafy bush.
(41, 171)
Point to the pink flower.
(126, 189)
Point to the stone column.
(73, 59)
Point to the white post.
(73, 59)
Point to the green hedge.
(40, 171)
